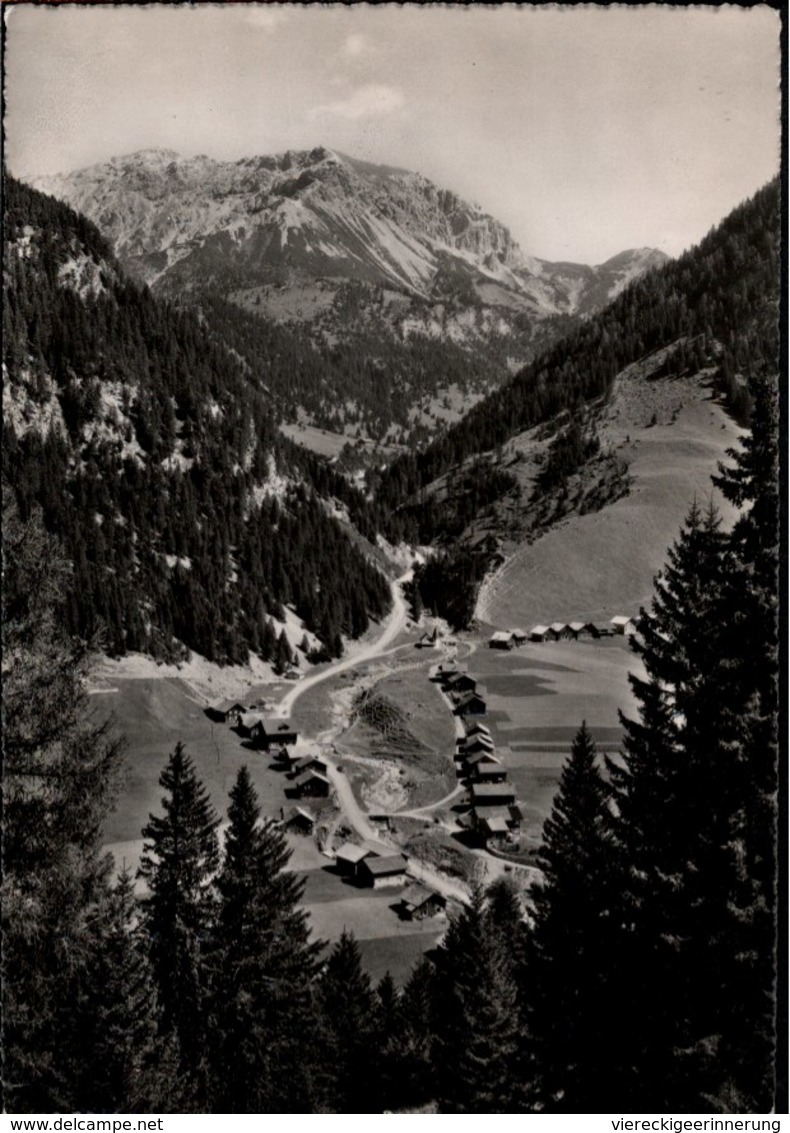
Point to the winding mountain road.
(352, 812)
(395, 622)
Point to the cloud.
(370, 101)
(356, 44)
(266, 16)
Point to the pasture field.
(422, 744)
(537, 697)
(330, 701)
(428, 718)
(284, 304)
(398, 955)
(386, 941)
(319, 441)
(155, 715)
(323, 442)
(594, 566)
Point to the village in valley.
(402, 778)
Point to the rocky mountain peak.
(183, 222)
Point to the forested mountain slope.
(708, 319)
(156, 460)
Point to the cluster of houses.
(265, 732)
(494, 811)
(376, 866)
(278, 736)
(466, 694)
(563, 631)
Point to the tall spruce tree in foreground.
(124, 1063)
(60, 766)
(348, 1009)
(263, 971)
(180, 858)
(412, 1077)
(565, 973)
(673, 804)
(695, 812)
(476, 1017)
(750, 595)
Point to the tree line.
(640, 976)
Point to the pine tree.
(125, 1064)
(60, 766)
(669, 798)
(696, 949)
(263, 966)
(283, 658)
(180, 858)
(565, 972)
(387, 1022)
(413, 1077)
(476, 1017)
(751, 705)
(349, 1020)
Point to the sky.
(586, 130)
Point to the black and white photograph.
(392, 567)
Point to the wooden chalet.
(419, 902)
(286, 757)
(601, 629)
(580, 629)
(487, 769)
(349, 857)
(519, 636)
(622, 624)
(475, 728)
(560, 631)
(539, 633)
(427, 640)
(297, 820)
(460, 682)
(442, 674)
(382, 872)
(494, 827)
(312, 785)
(471, 704)
(274, 731)
(473, 745)
(502, 639)
(310, 763)
(225, 710)
(479, 757)
(497, 822)
(491, 794)
(247, 723)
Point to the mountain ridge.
(319, 213)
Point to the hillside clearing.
(597, 565)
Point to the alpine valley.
(392, 304)
(364, 528)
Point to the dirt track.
(392, 627)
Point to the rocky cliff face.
(187, 223)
